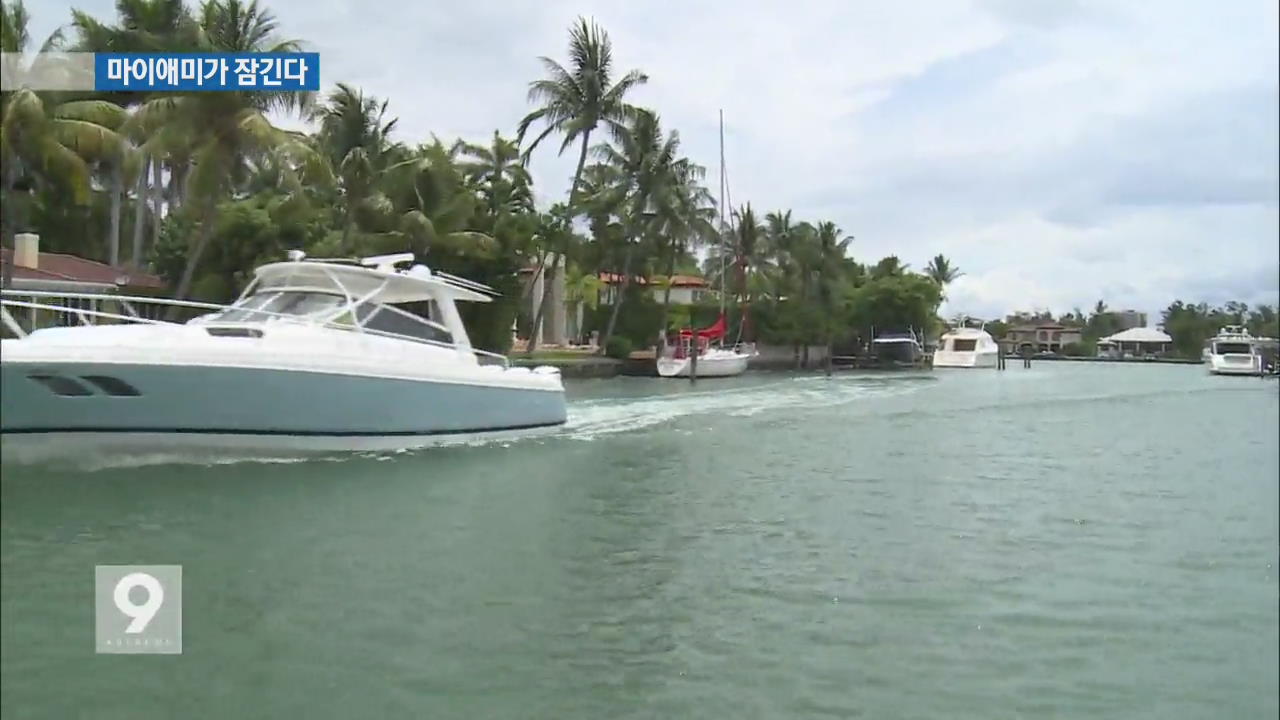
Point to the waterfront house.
(28, 269)
(1039, 337)
(563, 319)
(685, 289)
(556, 318)
(1135, 342)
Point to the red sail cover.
(716, 331)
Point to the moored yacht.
(966, 347)
(1234, 351)
(897, 350)
(315, 355)
(713, 361)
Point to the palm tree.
(574, 102)
(429, 207)
(553, 239)
(355, 135)
(581, 291)
(686, 215)
(641, 161)
(142, 26)
(751, 260)
(941, 271)
(45, 138)
(226, 132)
(889, 266)
(498, 175)
(831, 250)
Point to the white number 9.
(141, 614)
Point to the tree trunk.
(829, 352)
(537, 270)
(345, 246)
(177, 185)
(577, 173)
(617, 303)
(203, 235)
(157, 200)
(117, 197)
(140, 214)
(9, 174)
(548, 277)
(666, 298)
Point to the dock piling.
(693, 360)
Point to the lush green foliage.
(618, 348)
(208, 188)
(1191, 325)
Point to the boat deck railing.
(138, 309)
(680, 349)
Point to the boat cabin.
(368, 296)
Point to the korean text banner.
(239, 72)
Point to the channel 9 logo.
(138, 609)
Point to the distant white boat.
(897, 349)
(966, 347)
(712, 362)
(1234, 351)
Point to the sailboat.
(712, 360)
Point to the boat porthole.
(58, 385)
(112, 386)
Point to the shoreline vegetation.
(201, 187)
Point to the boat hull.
(1235, 365)
(185, 405)
(726, 366)
(950, 359)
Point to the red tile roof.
(60, 266)
(676, 280)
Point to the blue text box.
(209, 72)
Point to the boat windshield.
(326, 307)
(959, 345)
(264, 306)
(1233, 348)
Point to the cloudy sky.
(1058, 151)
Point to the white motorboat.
(966, 347)
(315, 355)
(1234, 351)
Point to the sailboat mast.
(721, 208)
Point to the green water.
(1081, 541)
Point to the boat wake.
(588, 419)
(594, 418)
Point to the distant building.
(1126, 319)
(1039, 337)
(556, 320)
(1135, 342)
(60, 272)
(28, 269)
(685, 289)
